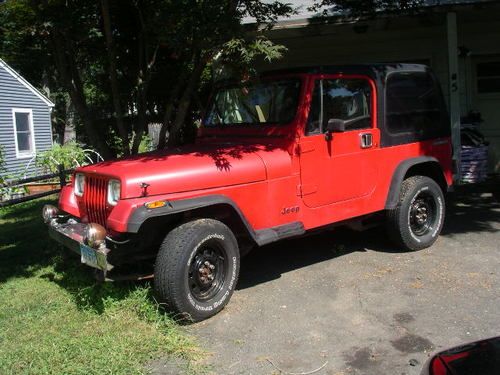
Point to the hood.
(184, 169)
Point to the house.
(460, 40)
(25, 124)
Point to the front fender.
(130, 215)
(140, 214)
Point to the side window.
(347, 99)
(413, 105)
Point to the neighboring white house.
(460, 40)
(25, 125)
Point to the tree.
(125, 64)
(121, 65)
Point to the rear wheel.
(418, 218)
(197, 268)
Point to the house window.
(23, 129)
(488, 77)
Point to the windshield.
(263, 103)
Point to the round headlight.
(94, 235)
(49, 212)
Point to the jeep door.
(341, 165)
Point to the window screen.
(343, 98)
(488, 77)
(414, 105)
(23, 132)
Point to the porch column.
(454, 89)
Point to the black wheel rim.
(207, 271)
(423, 212)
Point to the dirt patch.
(361, 359)
(412, 344)
(403, 318)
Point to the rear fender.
(422, 165)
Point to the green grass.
(54, 318)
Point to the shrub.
(70, 155)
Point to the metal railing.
(60, 181)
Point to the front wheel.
(197, 268)
(418, 218)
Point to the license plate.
(92, 258)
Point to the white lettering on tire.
(440, 219)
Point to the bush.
(70, 155)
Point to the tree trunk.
(141, 121)
(147, 60)
(185, 102)
(68, 71)
(115, 91)
(169, 110)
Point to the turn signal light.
(155, 204)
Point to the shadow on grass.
(79, 281)
(26, 250)
(25, 246)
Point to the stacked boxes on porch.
(474, 150)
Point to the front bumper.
(71, 235)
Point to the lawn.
(55, 319)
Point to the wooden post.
(454, 89)
(62, 175)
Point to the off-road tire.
(402, 222)
(175, 283)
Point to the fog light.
(49, 212)
(95, 235)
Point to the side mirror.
(335, 125)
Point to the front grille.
(94, 199)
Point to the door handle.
(366, 140)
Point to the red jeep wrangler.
(293, 151)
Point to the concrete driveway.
(351, 301)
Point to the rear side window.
(414, 106)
